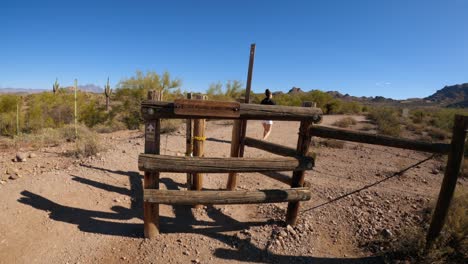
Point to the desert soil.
(63, 210)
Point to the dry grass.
(332, 143)
(450, 247)
(170, 125)
(110, 127)
(345, 122)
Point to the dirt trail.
(90, 211)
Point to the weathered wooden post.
(248, 88)
(452, 170)
(151, 179)
(235, 145)
(189, 145)
(198, 148)
(303, 143)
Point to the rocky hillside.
(454, 95)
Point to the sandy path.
(90, 211)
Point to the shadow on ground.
(184, 222)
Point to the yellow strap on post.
(199, 138)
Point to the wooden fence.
(194, 163)
(297, 160)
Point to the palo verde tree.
(107, 93)
(130, 92)
(55, 86)
(151, 81)
(232, 90)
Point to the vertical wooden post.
(452, 170)
(198, 149)
(189, 146)
(151, 179)
(303, 143)
(232, 179)
(248, 88)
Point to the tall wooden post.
(198, 149)
(452, 170)
(151, 179)
(235, 145)
(248, 88)
(303, 143)
(189, 145)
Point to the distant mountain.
(20, 91)
(91, 88)
(452, 96)
(295, 90)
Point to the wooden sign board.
(150, 132)
(206, 108)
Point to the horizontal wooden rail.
(341, 134)
(270, 147)
(281, 177)
(274, 148)
(156, 109)
(225, 197)
(163, 163)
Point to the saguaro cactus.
(56, 86)
(107, 92)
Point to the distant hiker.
(267, 123)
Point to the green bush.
(387, 120)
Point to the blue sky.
(397, 49)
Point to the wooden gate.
(152, 163)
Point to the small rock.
(116, 200)
(2, 182)
(32, 155)
(20, 157)
(195, 261)
(186, 253)
(291, 230)
(283, 234)
(15, 176)
(387, 233)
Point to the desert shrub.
(416, 128)
(87, 146)
(437, 133)
(417, 116)
(386, 119)
(333, 143)
(450, 247)
(350, 108)
(110, 127)
(170, 125)
(86, 141)
(345, 122)
(8, 108)
(367, 127)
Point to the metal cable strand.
(398, 173)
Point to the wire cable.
(398, 173)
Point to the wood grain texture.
(270, 147)
(163, 163)
(303, 144)
(452, 170)
(361, 137)
(225, 197)
(189, 144)
(154, 110)
(235, 144)
(151, 179)
(206, 108)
